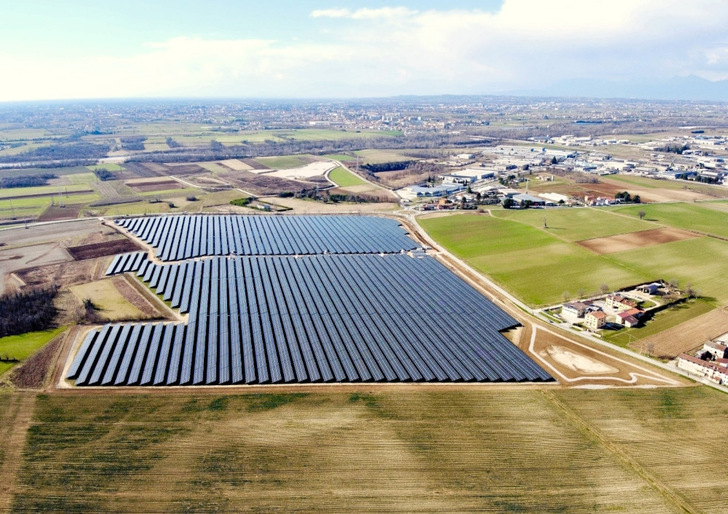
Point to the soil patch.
(91, 251)
(634, 240)
(64, 274)
(154, 185)
(56, 212)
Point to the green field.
(35, 206)
(674, 185)
(529, 262)
(700, 217)
(538, 265)
(700, 262)
(345, 178)
(400, 450)
(57, 191)
(576, 224)
(339, 157)
(23, 346)
(71, 170)
(284, 162)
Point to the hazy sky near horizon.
(53, 49)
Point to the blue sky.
(223, 48)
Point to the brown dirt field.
(140, 170)
(160, 185)
(606, 188)
(254, 164)
(263, 184)
(66, 274)
(91, 251)
(684, 337)
(633, 240)
(184, 169)
(56, 212)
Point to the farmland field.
(288, 161)
(531, 263)
(699, 262)
(345, 178)
(576, 224)
(394, 450)
(536, 266)
(683, 215)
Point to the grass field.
(339, 157)
(575, 224)
(531, 263)
(109, 302)
(401, 450)
(700, 217)
(23, 346)
(699, 262)
(57, 191)
(284, 162)
(109, 166)
(345, 178)
(538, 264)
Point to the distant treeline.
(133, 142)
(27, 180)
(678, 149)
(75, 152)
(268, 148)
(387, 166)
(27, 311)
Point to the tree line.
(27, 311)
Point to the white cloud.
(395, 50)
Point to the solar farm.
(298, 299)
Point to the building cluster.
(711, 362)
(617, 309)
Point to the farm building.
(619, 303)
(703, 368)
(524, 199)
(595, 320)
(630, 318)
(717, 350)
(650, 289)
(577, 309)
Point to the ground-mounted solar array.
(331, 318)
(188, 236)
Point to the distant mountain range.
(689, 88)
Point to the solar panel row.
(181, 237)
(330, 318)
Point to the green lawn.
(23, 346)
(688, 216)
(345, 178)
(576, 224)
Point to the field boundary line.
(626, 459)
(17, 425)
